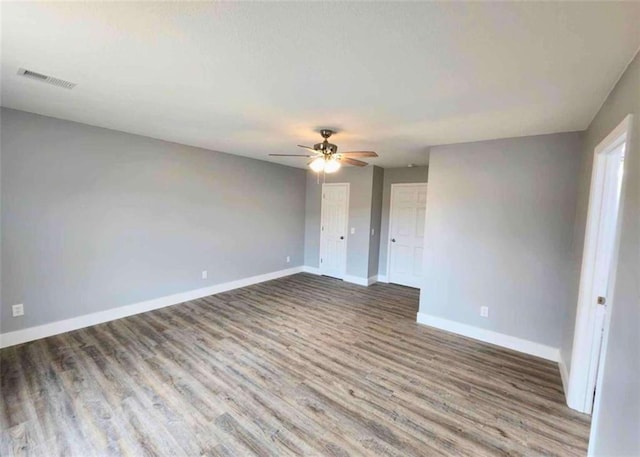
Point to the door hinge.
(602, 300)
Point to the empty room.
(319, 229)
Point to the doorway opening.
(597, 276)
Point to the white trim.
(489, 336)
(389, 234)
(356, 280)
(311, 270)
(581, 383)
(346, 223)
(383, 278)
(564, 374)
(597, 401)
(347, 278)
(75, 323)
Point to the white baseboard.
(489, 336)
(359, 280)
(355, 280)
(564, 375)
(312, 270)
(383, 278)
(75, 323)
(347, 278)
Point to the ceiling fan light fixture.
(325, 157)
(331, 166)
(318, 164)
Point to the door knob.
(393, 240)
(342, 237)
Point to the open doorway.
(597, 275)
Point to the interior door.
(333, 229)
(406, 230)
(605, 247)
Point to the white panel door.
(333, 229)
(406, 233)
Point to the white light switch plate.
(353, 230)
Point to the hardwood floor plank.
(303, 365)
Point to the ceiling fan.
(325, 156)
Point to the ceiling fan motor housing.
(325, 147)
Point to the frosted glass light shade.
(317, 165)
(331, 166)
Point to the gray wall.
(94, 219)
(617, 428)
(376, 220)
(394, 176)
(502, 214)
(360, 196)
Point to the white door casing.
(605, 253)
(334, 220)
(597, 277)
(406, 233)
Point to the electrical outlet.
(373, 231)
(288, 259)
(353, 230)
(205, 274)
(18, 310)
(484, 311)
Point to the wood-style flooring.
(303, 365)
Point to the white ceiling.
(255, 78)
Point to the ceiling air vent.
(46, 79)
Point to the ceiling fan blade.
(291, 155)
(359, 154)
(357, 163)
(308, 147)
